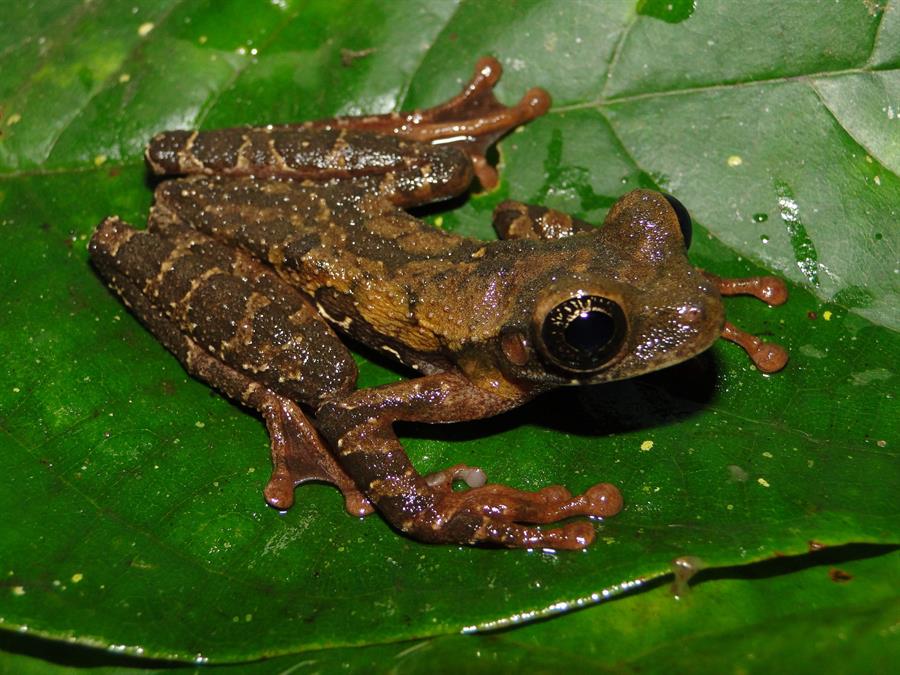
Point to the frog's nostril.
(707, 288)
(691, 313)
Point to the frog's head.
(629, 303)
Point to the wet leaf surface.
(138, 522)
(834, 611)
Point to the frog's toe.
(766, 356)
(279, 491)
(357, 505)
(472, 476)
(603, 500)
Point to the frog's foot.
(299, 456)
(766, 356)
(494, 514)
(473, 120)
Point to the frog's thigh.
(166, 263)
(517, 220)
(281, 222)
(242, 312)
(409, 172)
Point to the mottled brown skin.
(279, 230)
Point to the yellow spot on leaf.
(99, 160)
(763, 482)
(18, 590)
(145, 28)
(826, 315)
(735, 160)
(78, 576)
(15, 118)
(646, 445)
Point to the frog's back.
(365, 263)
(320, 234)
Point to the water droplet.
(764, 238)
(760, 217)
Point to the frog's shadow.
(665, 397)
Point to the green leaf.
(135, 517)
(834, 611)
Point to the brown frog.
(282, 233)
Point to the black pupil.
(583, 333)
(590, 331)
(684, 218)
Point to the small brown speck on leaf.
(839, 576)
(348, 56)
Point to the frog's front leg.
(359, 428)
(767, 356)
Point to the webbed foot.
(503, 510)
(500, 515)
(299, 456)
(473, 120)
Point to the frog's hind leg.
(473, 120)
(298, 453)
(517, 220)
(766, 356)
(427, 508)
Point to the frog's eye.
(684, 218)
(583, 333)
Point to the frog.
(265, 246)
